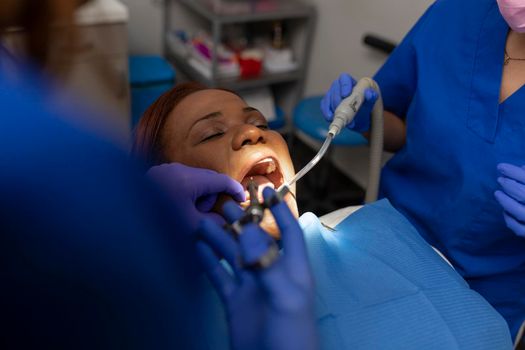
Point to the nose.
(248, 135)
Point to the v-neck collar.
(514, 95)
(484, 106)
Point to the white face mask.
(514, 13)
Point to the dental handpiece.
(255, 209)
(254, 214)
(348, 108)
(310, 164)
(343, 115)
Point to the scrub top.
(445, 78)
(89, 258)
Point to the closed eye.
(211, 137)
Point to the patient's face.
(217, 130)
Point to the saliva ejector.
(343, 115)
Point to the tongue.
(260, 180)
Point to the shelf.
(236, 83)
(238, 11)
(300, 17)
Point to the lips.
(265, 172)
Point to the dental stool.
(308, 121)
(150, 77)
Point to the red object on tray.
(250, 63)
(250, 68)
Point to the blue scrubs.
(88, 253)
(444, 78)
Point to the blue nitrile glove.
(195, 189)
(268, 308)
(342, 88)
(512, 198)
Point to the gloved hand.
(512, 198)
(269, 308)
(195, 190)
(342, 88)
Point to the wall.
(348, 19)
(145, 26)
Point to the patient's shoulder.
(382, 236)
(379, 281)
(379, 221)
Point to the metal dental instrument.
(254, 214)
(344, 114)
(255, 209)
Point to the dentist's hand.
(512, 198)
(267, 308)
(195, 190)
(342, 88)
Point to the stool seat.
(150, 77)
(309, 119)
(149, 70)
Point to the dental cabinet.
(254, 18)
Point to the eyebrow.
(208, 116)
(250, 109)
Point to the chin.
(268, 223)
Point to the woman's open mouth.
(265, 173)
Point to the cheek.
(213, 156)
(281, 148)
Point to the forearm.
(394, 132)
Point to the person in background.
(454, 114)
(94, 255)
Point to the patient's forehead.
(203, 102)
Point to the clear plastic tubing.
(313, 162)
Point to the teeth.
(271, 165)
(265, 160)
(271, 168)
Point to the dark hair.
(148, 135)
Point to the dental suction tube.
(348, 108)
(314, 161)
(344, 114)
